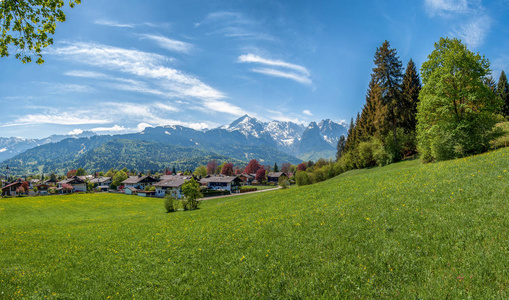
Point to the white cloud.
(443, 7)
(62, 118)
(75, 132)
(142, 126)
(251, 58)
(285, 69)
(168, 44)
(474, 32)
(307, 112)
(113, 24)
(115, 128)
(85, 74)
(150, 67)
(277, 73)
(3, 150)
(165, 107)
(469, 19)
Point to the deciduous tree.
(456, 110)
(260, 175)
(28, 24)
(252, 167)
(227, 169)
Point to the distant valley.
(185, 148)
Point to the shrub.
(169, 203)
(284, 184)
(301, 177)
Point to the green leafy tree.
(81, 172)
(200, 171)
(191, 190)
(456, 110)
(503, 93)
(53, 177)
(28, 24)
(118, 178)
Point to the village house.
(102, 183)
(42, 188)
(172, 186)
(227, 183)
(139, 182)
(10, 189)
(77, 184)
(247, 179)
(274, 176)
(33, 182)
(131, 190)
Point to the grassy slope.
(406, 230)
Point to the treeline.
(452, 114)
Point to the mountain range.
(158, 147)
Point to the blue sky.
(119, 66)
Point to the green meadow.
(408, 230)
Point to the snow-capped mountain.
(244, 138)
(290, 137)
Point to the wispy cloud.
(251, 58)
(156, 77)
(469, 19)
(278, 73)
(86, 74)
(474, 32)
(445, 7)
(285, 69)
(307, 112)
(60, 118)
(235, 25)
(113, 24)
(115, 128)
(227, 17)
(168, 44)
(165, 107)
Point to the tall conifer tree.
(410, 96)
(349, 139)
(341, 147)
(503, 93)
(388, 75)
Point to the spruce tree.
(341, 147)
(503, 93)
(410, 96)
(276, 169)
(173, 171)
(350, 137)
(388, 75)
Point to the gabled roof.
(100, 180)
(15, 183)
(168, 183)
(277, 174)
(249, 176)
(138, 179)
(220, 179)
(72, 180)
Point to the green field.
(403, 231)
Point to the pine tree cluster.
(384, 131)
